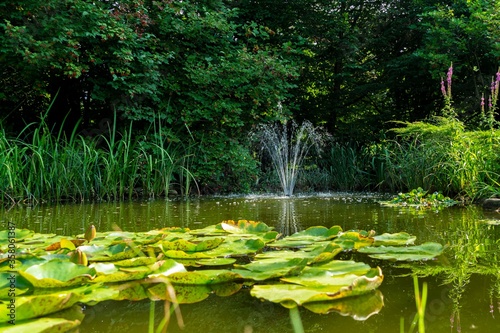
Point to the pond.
(463, 284)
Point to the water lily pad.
(236, 247)
(353, 240)
(216, 261)
(261, 270)
(339, 287)
(58, 274)
(35, 306)
(400, 238)
(245, 227)
(425, 251)
(308, 237)
(203, 277)
(359, 308)
(184, 294)
(41, 325)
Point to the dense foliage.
(209, 71)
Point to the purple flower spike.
(450, 74)
(490, 104)
(482, 101)
(443, 89)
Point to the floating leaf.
(204, 277)
(244, 226)
(400, 238)
(184, 294)
(359, 308)
(41, 325)
(261, 270)
(425, 251)
(309, 236)
(353, 240)
(216, 261)
(57, 274)
(338, 287)
(27, 307)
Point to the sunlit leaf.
(27, 307)
(41, 325)
(57, 274)
(400, 238)
(216, 261)
(260, 270)
(353, 240)
(204, 277)
(337, 288)
(425, 251)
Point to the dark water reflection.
(464, 284)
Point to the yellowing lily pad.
(27, 307)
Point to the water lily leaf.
(216, 261)
(204, 277)
(184, 294)
(138, 261)
(425, 251)
(167, 268)
(41, 325)
(176, 254)
(309, 236)
(226, 289)
(353, 240)
(288, 294)
(133, 292)
(96, 293)
(19, 235)
(57, 274)
(260, 270)
(39, 305)
(359, 308)
(245, 227)
(179, 245)
(334, 273)
(236, 247)
(208, 244)
(400, 238)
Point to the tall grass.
(443, 155)
(37, 165)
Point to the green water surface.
(464, 283)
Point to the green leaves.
(299, 269)
(425, 251)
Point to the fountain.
(288, 144)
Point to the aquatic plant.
(297, 270)
(288, 145)
(419, 198)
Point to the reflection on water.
(288, 222)
(464, 284)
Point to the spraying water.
(288, 145)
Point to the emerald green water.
(464, 288)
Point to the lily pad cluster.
(53, 274)
(419, 198)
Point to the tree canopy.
(211, 70)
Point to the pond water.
(463, 284)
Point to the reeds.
(37, 165)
